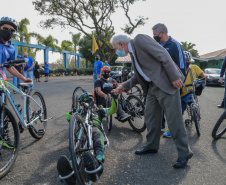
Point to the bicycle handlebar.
(12, 63)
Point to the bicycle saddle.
(26, 84)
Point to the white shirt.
(137, 65)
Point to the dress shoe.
(182, 162)
(220, 106)
(145, 151)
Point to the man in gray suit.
(160, 79)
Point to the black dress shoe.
(182, 162)
(220, 106)
(145, 151)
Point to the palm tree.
(22, 34)
(67, 45)
(51, 42)
(75, 42)
(190, 47)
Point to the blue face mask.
(120, 53)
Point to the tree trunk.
(75, 61)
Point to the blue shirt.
(97, 67)
(30, 62)
(7, 52)
(46, 70)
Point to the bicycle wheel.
(109, 118)
(78, 143)
(220, 128)
(9, 143)
(77, 92)
(34, 109)
(136, 91)
(196, 120)
(135, 108)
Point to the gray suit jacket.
(156, 63)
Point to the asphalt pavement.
(37, 159)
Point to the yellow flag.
(95, 46)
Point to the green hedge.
(71, 71)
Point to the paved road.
(36, 163)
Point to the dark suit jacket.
(156, 63)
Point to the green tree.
(67, 45)
(52, 42)
(23, 35)
(190, 47)
(75, 42)
(87, 17)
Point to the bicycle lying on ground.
(34, 119)
(220, 127)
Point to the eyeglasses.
(106, 72)
(8, 29)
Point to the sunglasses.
(8, 29)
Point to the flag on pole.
(95, 46)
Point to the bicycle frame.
(194, 101)
(6, 93)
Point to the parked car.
(213, 76)
(130, 74)
(119, 73)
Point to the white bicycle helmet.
(187, 54)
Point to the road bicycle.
(80, 141)
(193, 109)
(220, 127)
(34, 119)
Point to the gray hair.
(160, 27)
(120, 37)
(25, 53)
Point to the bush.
(72, 71)
(41, 72)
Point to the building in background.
(211, 60)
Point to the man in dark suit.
(160, 79)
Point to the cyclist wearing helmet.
(185, 97)
(104, 86)
(90, 161)
(7, 51)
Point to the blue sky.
(201, 22)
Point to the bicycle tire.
(195, 117)
(38, 129)
(75, 144)
(109, 118)
(136, 91)
(136, 110)
(78, 91)
(215, 134)
(10, 153)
